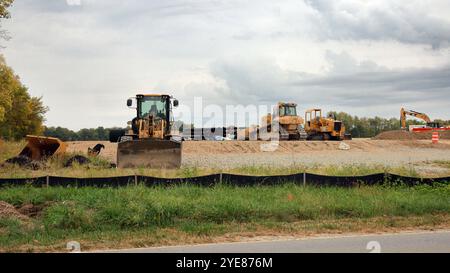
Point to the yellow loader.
(148, 141)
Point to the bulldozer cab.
(286, 121)
(310, 115)
(287, 109)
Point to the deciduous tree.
(20, 113)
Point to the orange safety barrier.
(435, 138)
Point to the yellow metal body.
(148, 142)
(150, 127)
(319, 128)
(404, 113)
(285, 116)
(39, 148)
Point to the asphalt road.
(425, 242)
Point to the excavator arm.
(404, 113)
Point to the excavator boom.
(404, 113)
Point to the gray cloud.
(348, 84)
(404, 21)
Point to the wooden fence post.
(47, 181)
(304, 179)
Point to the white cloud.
(408, 21)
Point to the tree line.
(4, 14)
(20, 113)
(98, 134)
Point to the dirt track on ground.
(236, 154)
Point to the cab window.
(153, 106)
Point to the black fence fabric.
(226, 179)
(344, 181)
(37, 182)
(114, 182)
(243, 180)
(204, 181)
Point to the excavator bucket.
(149, 153)
(39, 148)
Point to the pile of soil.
(24, 162)
(79, 159)
(429, 135)
(405, 135)
(395, 135)
(9, 211)
(33, 211)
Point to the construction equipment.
(39, 148)
(286, 121)
(148, 141)
(319, 128)
(404, 113)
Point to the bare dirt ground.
(238, 154)
(405, 135)
(109, 153)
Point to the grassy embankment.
(139, 216)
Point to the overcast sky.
(364, 57)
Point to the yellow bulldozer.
(320, 128)
(290, 125)
(148, 141)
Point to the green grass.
(10, 149)
(93, 215)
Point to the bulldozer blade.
(149, 153)
(39, 148)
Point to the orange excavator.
(404, 113)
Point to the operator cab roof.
(153, 95)
(288, 104)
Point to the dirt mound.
(405, 135)
(395, 135)
(33, 211)
(429, 135)
(79, 159)
(24, 162)
(9, 211)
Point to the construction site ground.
(420, 154)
